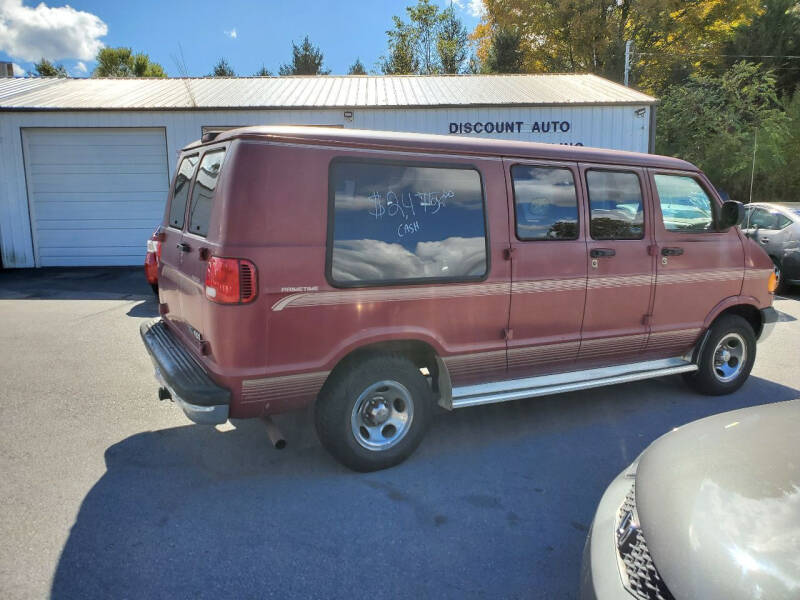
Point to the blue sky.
(247, 34)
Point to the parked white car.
(710, 510)
(776, 228)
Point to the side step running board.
(543, 385)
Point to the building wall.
(618, 127)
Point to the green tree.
(558, 35)
(44, 68)
(222, 69)
(263, 72)
(122, 62)
(426, 20)
(772, 37)
(714, 121)
(402, 59)
(451, 43)
(474, 65)
(786, 183)
(357, 68)
(505, 53)
(432, 41)
(672, 38)
(306, 60)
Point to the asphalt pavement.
(108, 493)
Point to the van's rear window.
(396, 223)
(203, 192)
(180, 192)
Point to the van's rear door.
(169, 277)
(195, 245)
(188, 242)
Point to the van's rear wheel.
(727, 358)
(374, 412)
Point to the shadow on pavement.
(145, 308)
(84, 283)
(495, 503)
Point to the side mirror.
(731, 214)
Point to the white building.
(85, 163)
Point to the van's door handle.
(764, 240)
(602, 252)
(184, 247)
(671, 251)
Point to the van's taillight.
(154, 243)
(231, 280)
(154, 246)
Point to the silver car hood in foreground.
(719, 505)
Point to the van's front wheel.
(726, 359)
(374, 412)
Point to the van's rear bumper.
(201, 399)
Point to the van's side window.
(546, 203)
(615, 199)
(203, 192)
(685, 206)
(177, 208)
(400, 223)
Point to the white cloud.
(30, 33)
(371, 260)
(80, 67)
(232, 33)
(476, 8)
(18, 71)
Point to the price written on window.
(409, 209)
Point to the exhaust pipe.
(275, 435)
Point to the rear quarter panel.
(300, 327)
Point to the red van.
(374, 274)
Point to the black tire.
(709, 378)
(335, 415)
(782, 287)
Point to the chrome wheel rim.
(729, 357)
(382, 415)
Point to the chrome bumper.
(203, 415)
(183, 376)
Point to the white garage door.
(95, 194)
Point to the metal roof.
(360, 91)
